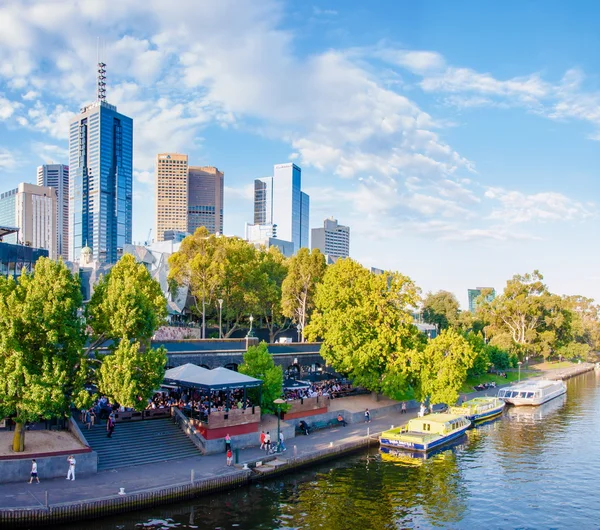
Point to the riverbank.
(55, 501)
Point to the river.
(535, 467)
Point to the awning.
(192, 376)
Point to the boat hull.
(426, 446)
(519, 402)
(487, 415)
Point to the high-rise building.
(31, 209)
(171, 194)
(281, 208)
(57, 176)
(475, 293)
(332, 240)
(187, 197)
(101, 179)
(205, 199)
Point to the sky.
(460, 141)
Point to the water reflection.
(534, 467)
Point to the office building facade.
(32, 210)
(101, 187)
(473, 294)
(187, 197)
(281, 208)
(205, 199)
(14, 259)
(332, 240)
(57, 176)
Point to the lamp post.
(278, 402)
(250, 330)
(220, 300)
(519, 363)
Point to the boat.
(536, 414)
(480, 408)
(427, 433)
(533, 392)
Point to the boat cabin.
(436, 424)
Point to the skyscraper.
(57, 177)
(101, 188)
(332, 240)
(205, 199)
(281, 208)
(31, 209)
(171, 194)
(475, 293)
(187, 197)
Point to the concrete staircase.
(139, 442)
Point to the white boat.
(533, 392)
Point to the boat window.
(529, 394)
(522, 394)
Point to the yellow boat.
(480, 408)
(427, 433)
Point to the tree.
(42, 361)
(306, 270)
(272, 270)
(441, 309)
(366, 323)
(259, 363)
(127, 307)
(199, 265)
(442, 367)
(481, 362)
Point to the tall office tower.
(57, 176)
(101, 188)
(31, 209)
(332, 240)
(205, 199)
(476, 293)
(171, 194)
(281, 208)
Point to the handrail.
(188, 428)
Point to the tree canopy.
(441, 309)
(42, 359)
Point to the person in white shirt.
(34, 472)
(71, 472)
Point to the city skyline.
(453, 160)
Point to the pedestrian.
(262, 439)
(341, 420)
(71, 472)
(227, 442)
(92, 416)
(403, 411)
(88, 419)
(229, 457)
(34, 472)
(281, 444)
(110, 427)
(367, 416)
(267, 442)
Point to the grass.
(551, 365)
(488, 378)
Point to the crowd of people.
(331, 388)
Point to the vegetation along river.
(534, 467)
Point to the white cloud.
(8, 108)
(7, 159)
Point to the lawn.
(551, 365)
(488, 378)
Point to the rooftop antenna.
(101, 85)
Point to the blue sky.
(459, 140)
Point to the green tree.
(42, 361)
(199, 265)
(258, 362)
(482, 362)
(365, 321)
(441, 309)
(127, 307)
(442, 367)
(306, 269)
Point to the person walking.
(34, 472)
(267, 442)
(281, 440)
(229, 457)
(403, 411)
(110, 427)
(227, 442)
(71, 472)
(367, 416)
(262, 439)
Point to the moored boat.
(480, 408)
(533, 392)
(427, 433)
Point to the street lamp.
(278, 402)
(519, 363)
(220, 300)
(250, 330)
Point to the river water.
(535, 467)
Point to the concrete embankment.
(571, 371)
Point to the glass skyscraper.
(57, 177)
(100, 191)
(281, 208)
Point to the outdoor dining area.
(216, 401)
